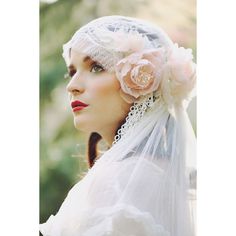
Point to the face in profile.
(94, 95)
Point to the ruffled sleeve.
(119, 220)
(92, 209)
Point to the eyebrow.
(87, 58)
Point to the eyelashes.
(93, 68)
(70, 73)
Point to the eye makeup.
(88, 64)
(71, 70)
(96, 68)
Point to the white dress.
(92, 206)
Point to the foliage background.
(62, 147)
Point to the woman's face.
(92, 85)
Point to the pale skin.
(93, 85)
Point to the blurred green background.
(62, 147)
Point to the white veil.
(165, 144)
(158, 188)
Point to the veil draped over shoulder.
(144, 185)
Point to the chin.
(80, 127)
(78, 123)
(82, 124)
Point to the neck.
(108, 136)
(108, 133)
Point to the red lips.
(78, 105)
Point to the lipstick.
(78, 105)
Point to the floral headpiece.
(171, 72)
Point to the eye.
(72, 72)
(95, 68)
(69, 74)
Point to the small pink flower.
(140, 73)
(180, 62)
(180, 75)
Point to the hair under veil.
(143, 184)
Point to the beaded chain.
(136, 112)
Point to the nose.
(75, 85)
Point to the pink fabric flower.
(180, 75)
(140, 73)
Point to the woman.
(130, 85)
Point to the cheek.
(107, 102)
(104, 88)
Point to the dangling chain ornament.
(137, 111)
